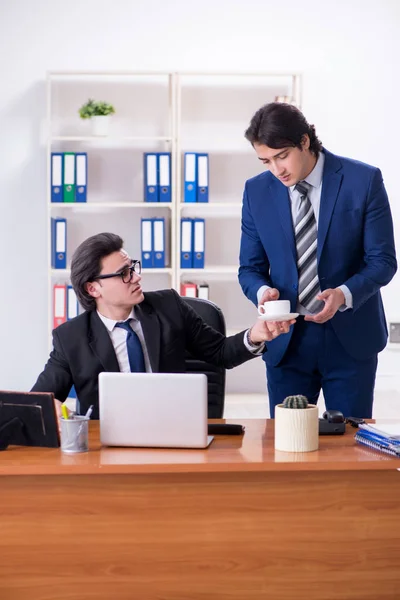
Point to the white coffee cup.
(274, 308)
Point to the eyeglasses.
(126, 273)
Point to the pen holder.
(75, 434)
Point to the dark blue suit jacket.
(355, 248)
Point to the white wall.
(348, 52)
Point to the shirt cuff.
(255, 349)
(261, 291)
(348, 298)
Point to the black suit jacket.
(83, 348)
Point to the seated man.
(125, 330)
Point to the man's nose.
(136, 277)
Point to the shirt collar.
(315, 177)
(110, 323)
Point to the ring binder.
(386, 445)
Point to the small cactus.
(295, 402)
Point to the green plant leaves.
(95, 109)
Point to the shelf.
(97, 205)
(216, 270)
(210, 205)
(108, 138)
(107, 73)
(67, 272)
(211, 209)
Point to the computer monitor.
(28, 419)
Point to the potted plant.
(99, 113)
(296, 425)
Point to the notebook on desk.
(153, 410)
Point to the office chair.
(213, 316)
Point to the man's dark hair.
(86, 264)
(278, 125)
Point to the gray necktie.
(306, 246)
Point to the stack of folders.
(157, 176)
(381, 436)
(196, 177)
(192, 243)
(195, 290)
(65, 304)
(153, 243)
(68, 176)
(58, 243)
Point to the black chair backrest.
(212, 315)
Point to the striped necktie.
(306, 246)
(134, 348)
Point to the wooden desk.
(238, 521)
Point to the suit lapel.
(331, 180)
(101, 345)
(151, 331)
(280, 195)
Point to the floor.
(255, 406)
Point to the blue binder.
(151, 187)
(57, 177)
(81, 177)
(72, 303)
(147, 243)
(186, 243)
(164, 176)
(198, 243)
(190, 191)
(158, 243)
(202, 178)
(58, 243)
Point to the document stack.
(58, 243)
(195, 290)
(68, 177)
(192, 243)
(153, 243)
(157, 176)
(65, 304)
(382, 436)
(196, 177)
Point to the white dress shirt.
(118, 339)
(314, 179)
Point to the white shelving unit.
(144, 121)
(175, 112)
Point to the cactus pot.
(296, 429)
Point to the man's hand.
(57, 408)
(269, 294)
(333, 301)
(265, 331)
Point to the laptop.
(153, 410)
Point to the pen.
(89, 412)
(64, 411)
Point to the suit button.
(295, 287)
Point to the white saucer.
(286, 317)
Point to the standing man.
(317, 230)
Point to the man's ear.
(305, 142)
(92, 288)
